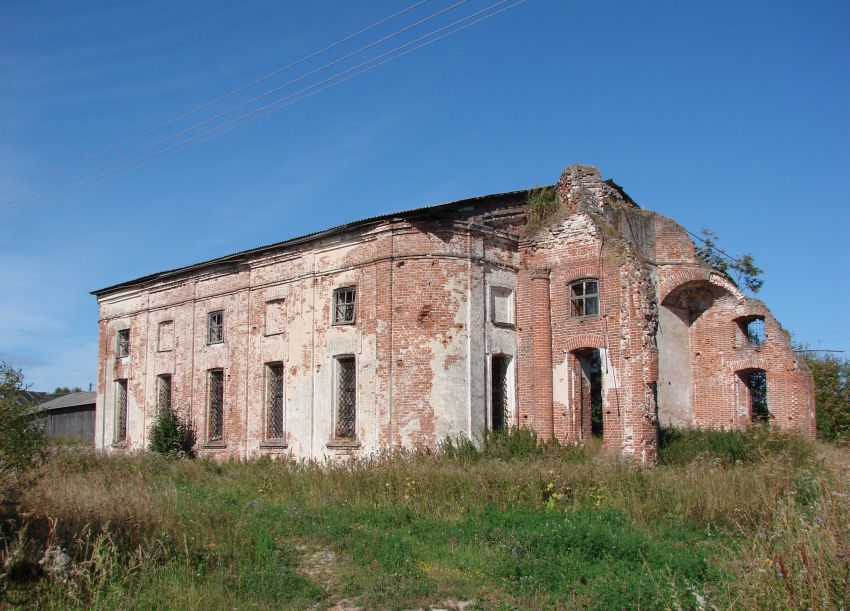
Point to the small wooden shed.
(70, 415)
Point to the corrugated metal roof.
(30, 397)
(239, 256)
(70, 400)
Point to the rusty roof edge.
(239, 256)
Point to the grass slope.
(726, 520)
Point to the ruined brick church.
(594, 318)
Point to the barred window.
(346, 399)
(215, 404)
(584, 298)
(754, 329)
(163, 393)
(120, 411)
(215, 327)
(344, 305)
(123, 347)
(274, 401)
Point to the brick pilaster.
(541, 351)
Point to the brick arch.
(671, 281)
(584, 340)
(723, 282)
(750, 362)
(751, 308)
(590, 270)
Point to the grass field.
(726, 520)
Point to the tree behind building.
(832, 395)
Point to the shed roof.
(73, 399)
(243, 255)
(32, 398)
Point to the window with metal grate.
(274, 401)
(346, 416)
(215, 405)
(120, 411)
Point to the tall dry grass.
(779, 518)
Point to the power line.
(212, 102)
(714, 247)
(299, 95)
(232, 109)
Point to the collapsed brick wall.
(580, 243)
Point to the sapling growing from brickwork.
(744, 268)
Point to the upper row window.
(344, 305)
(584, 298)
(752, 329)
(215, 327)
(123, 347)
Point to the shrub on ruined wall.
(541, 207)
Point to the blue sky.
(729, 115)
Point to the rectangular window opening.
(584, 298)
(123, 347)
(346, 414)
(755, 332)
(215, 327)
(215, 405)
(344, 305)
(120, 411)
(163, 393)
(756, 382)
(275, 429)
(499, 392)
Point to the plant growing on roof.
(541, 205)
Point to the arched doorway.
(587, 392)
(753, 395)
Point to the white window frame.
(336, 305)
